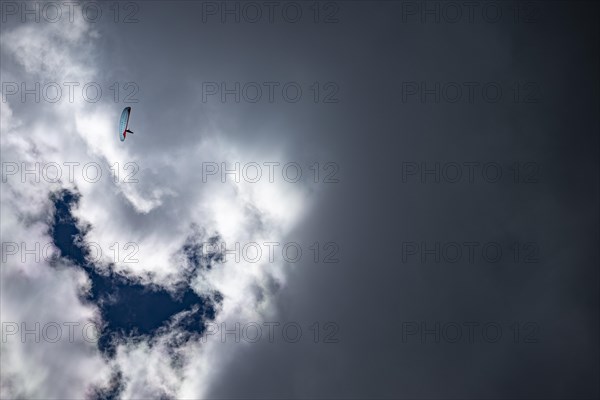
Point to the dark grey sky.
(371, 212)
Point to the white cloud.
(156, 213)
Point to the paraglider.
(124, 122)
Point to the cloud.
(167, 209)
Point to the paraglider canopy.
(124, 122)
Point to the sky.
(389, 199)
